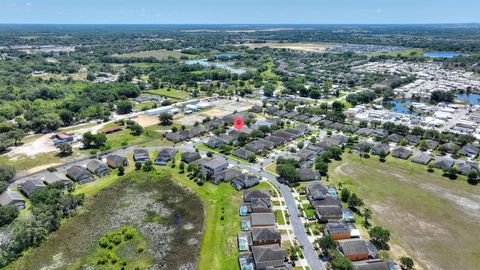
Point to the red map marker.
(238, 123)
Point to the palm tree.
(367, 214)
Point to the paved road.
(310, 254)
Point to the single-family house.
(226, 175)
(270, 257)
(413, 140)
(466, 167)
(432, 144)
(378, 148)
(338, 230)
(189, 157)
(262, 220)
(450, 148)
(364, 132)
(362, 147)
(353, 249)
(395, 138)
(98, 168)
(470, 151)
(401, 152)
(141, 155)
(308, 174)
(268, 145)
(165, 154)
(265, 236)
(422, 158)
(374, 265)
(248, 195)
(116, 161)
(316, 189)
(245, 181)
(255, 146)
(443, 163)
(330, 212)
(275, 140)
(243, 153)
(174, 137)
(380, 133)
(214, 142)
(30, 186)
(12, 198)
(79, 174)
(215, 166)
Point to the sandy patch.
(146, 120)
(216, 112)
(306, 47)
(31, 149)
(41, 167)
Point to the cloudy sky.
(239, 11)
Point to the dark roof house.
(401, 152)
(115, 161)
(165, 154)
(269, 257)
(265, 236)
(226, 175)
(12, 198)
(30, 186)
(79, 174)
(141, 155)
(189, 157)
(97, 167)
(245, 181)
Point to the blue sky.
(239, 11)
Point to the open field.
(170, 93)
(159, 54)
(306, 47)
(219, 243)
(168, 219)
(431, 217)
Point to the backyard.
(417, 207)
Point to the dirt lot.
(430, 217)
(146, 120)
(306, 47)
(159, 54)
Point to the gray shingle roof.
(352, 247)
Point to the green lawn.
(430, 217)
(171, 93)
(279, 217)
(143, 106)
(216, 151)
(271, 168)
(219, 245)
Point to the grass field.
(431, 217)
(159, 54)
(170, 93)
(167, 218)
(307, 47)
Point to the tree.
(345, 194)
(406, 263)
(148, 166)
(252, 158)
(326, 243)
(379, 237)
(65, 149)
(423, 145)
(166, 119)
(341, 263)
(472, 177)
(367, 215)
(336, 152)
(121, 171)
(7, 173)
(138, 166)
(182, 167)
(124, 107)
(287, 172)
(321, 166)
(382, 155)
(7, 214)
(354, 201)
(137, 130)
(450, 172)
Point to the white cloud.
(379, 10)
(28, 4)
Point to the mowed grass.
(170, 93)
(431, 218)
(158, 54)
(219, 243)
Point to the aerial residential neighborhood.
(312, 135)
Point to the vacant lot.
(159, 54)
(306, 47)
(168, 217)
(170, 93)
(433, 219)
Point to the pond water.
(400, 106)
(227, 55)
(223, 65)
(443, 54)
(471, 98)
